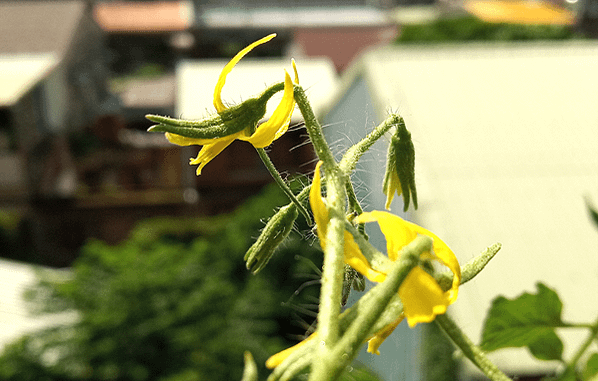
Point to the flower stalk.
(469, 349)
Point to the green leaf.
(593, 213)
(591, 370)
(526, 321)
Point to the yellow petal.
(229, 66)
(184, 141)
(393, 186)
(377, 340)
(397, 231)
(352, 255)
(354, 258)
(278, 123)
(422, 297)
(318, 207)
(277, 359)
(295, 70)
(210, 151)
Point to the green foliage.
(591, 369)
(174, 302)
(526, 321)
(470, 28)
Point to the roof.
(144, 16)
(506, 139)
(520, 12)
(148, 92)
(291, 17)
(15, 320)
(38, 26)
(18, 73)
(197, 79)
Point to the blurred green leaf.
(526, 321)
(593, 213)
(590, 373)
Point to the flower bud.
(277, 229)
(400, 168)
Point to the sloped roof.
(506, 140)
(196, 81)
(144, 16)
(19, 72)
(38, 26)
(15, 320)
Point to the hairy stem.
(350, 158)
(282, 184)
(469, 349)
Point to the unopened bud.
(400, 168)
(277, 229)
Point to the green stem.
(333, 267)
(350, 158)
(314, 129)
(570, 370)
(469, 349)
(282, 184)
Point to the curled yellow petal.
(278, 123)
(277, 359)
(184, 141)
(354, 258)
(318, 207)
(210, 151)
(422, 297)
(375, 341)
(295, 70)
(229, 66)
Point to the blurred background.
(118, 263)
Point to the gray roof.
(292, 17)
(506, 140)
(38, 26)
(15, 319)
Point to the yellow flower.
(263, 135)
(421, 295)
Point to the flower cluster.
(422, 297)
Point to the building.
(505, 139)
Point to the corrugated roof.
(15, 320)
(196, 81)
(506, 140)
(38, 26)
(144, 16)
(18, 73)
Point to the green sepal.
(526, 321)
(225, 123)
(245, 115)
(277, 229)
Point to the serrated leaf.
(526, 321)
(591, 370)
